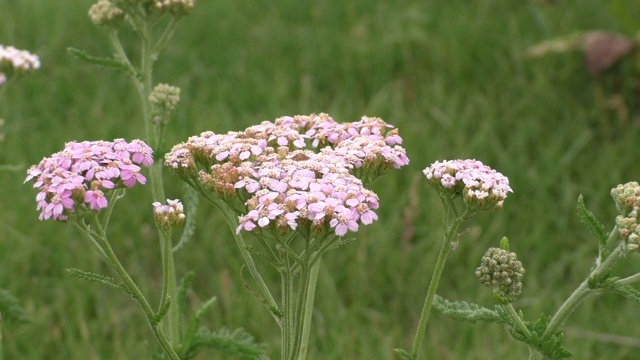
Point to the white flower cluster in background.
(18, 61)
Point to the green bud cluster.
(627, 199)
(105, 13)
(629, 230)
(501, 270)
(164, 100)
(626, 196)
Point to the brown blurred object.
(603, 49)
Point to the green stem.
(535, 354)
(169, 289)
(435, 278)
(248, 259)
(517, 319)
(581, 293)
(288, 325)
(629, 280)
(137, 295)
(308, 310)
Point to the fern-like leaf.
(97, 278)
(191, 199)
(194, 324)
(403, 354)
(591, 223)
(237, 343)
(628, 291)
(462, 310)
(104, 62)
(183, 288)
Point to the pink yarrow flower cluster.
(300, 173)
(82, 174)
(481, 186)
(310, 190)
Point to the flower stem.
(535, 354)
(629, 280)
(307, 309)
(248, 259)
(582, 292)
(169, 289)
(517, 319)
(451, 232)
(136, 294)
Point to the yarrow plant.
(81, 184)
(298, 185)
(501, 270)
(296, 188)
(464, 187)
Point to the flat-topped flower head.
(501, 270)
(481, 187)
(298, 173)
(16, 62)
(84, 172)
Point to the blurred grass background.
(451, 75)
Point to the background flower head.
(84, 172)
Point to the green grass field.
(451, 75)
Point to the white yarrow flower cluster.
(482, 187)
(16, 61)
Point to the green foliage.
(403, 354)
(190, 200)
(462, 310)
(103, 62)
(97, 278)
(551, 345)
(449, 74)
(10, 308)
(237, 343)
(627, 13)
(589, 221)
(628, 292)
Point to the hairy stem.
(450, 234)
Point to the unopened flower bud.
(164, 99)
(501, 270)
(105, 13)
(175, 7)
(629, 230)
(626, 196)
(169, 217)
